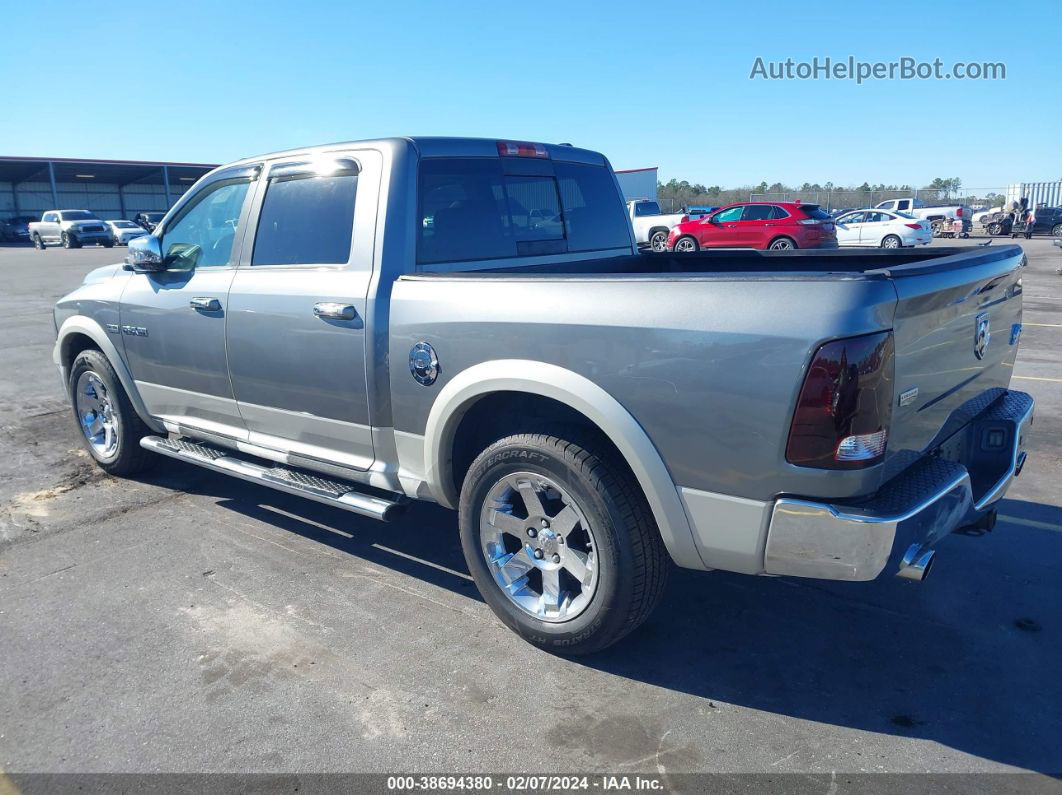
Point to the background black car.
(1048, 221)
(15, 229)
(148, 220)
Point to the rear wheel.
(891, 241)
(995, 229)
(687, 244)
(658, 240)
(1056, 230)
(561, 542)
(110, 427)
(782, 244)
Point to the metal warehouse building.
(110, 188)
(637, 183)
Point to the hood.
(102, 274)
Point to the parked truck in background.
(937, 215)
(70, 229)
(651, 226)
(370, 323)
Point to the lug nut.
(556, 558)
(531, 532)
(538, 554)
(545, 524)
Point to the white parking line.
(1031, 522)
(1035, 378)
(1044, 325)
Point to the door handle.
(205, 304)
(334, 311)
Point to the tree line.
(676, 194)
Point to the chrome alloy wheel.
(96, 415)
(685, 244)
(539, 547)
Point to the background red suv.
(773, 225)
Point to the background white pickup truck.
(937, 215)
(650, 225)
(70, 228)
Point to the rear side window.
(757, 212)
(778, 213)
(470, 210)
(306, 220)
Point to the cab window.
(202, 233)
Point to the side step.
(347, 496)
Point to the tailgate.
(956, 331)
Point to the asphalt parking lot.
(187, 622)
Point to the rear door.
(296, 328)
(755, 225)
(875, 227)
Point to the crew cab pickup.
(470, 322)
(937, 215)
(69, 228)
(651, 226)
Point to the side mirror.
(145, 255)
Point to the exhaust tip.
(916, 563)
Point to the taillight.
(809, 221)
(958, 212)
(521, 149)
(842, 415)
(913, 226)
(684, 219)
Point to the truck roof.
(436, 146)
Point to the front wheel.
(658, 240)
(38, 243)
(687, 245)
(108, 243)
(1056, 230)
(561, 542)
(69, 241)
(891, 241)
(110, 427)
(995, 229)
(782, 244)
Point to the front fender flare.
(79, 324)
(580, 394)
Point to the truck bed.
(870, 262)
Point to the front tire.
(110, 427)
(995, 229)
(1056, 230)
(561, 542)
(108, 244)
(687, 245)
(69, 241)
(38, 243)
(891, 241)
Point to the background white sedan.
(124, 231)
(882, 229)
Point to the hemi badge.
(113, 328)
(908, 397)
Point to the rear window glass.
(470, 210)
(646, 208)
(306, 220)
(78, 215)
(815, 212)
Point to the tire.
(69, 241)
(110, 428)
(658, 240)
(1056, 230)
(38, 243)
(608, 538)
(995, 229)
(891, 241)
(108, 243)
(687, 245)
(782, 244)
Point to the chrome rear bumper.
(929, 500)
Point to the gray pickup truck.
(470, 322)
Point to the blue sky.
(664, 84)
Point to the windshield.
(124, 224)
(78, 215)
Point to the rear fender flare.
(580, 394)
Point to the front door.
(172, 323)
(848, 226)
(721, 229)
(297, 309)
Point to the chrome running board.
(340, 494)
